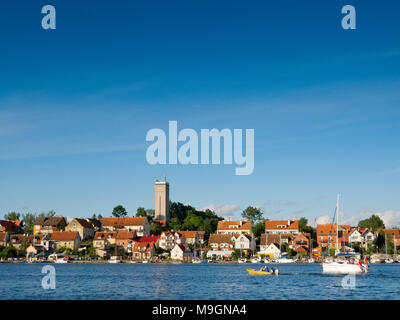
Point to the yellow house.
(68, 239)
(85, 229)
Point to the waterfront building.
(125, 238)
(191, 237)
(222, 246)
(153, 239)
(282, 226)
(161, 198)
(45, 225)
(244, 242)
(301, 243)
(143, 250)
(20, 240)
(181, 252)
(234, 227)
(85, 229)
(102, 241)
(326, 233)
(138, 224)
(68, 239)
(168, 239)
(276, 239)
(201, 235)
(4, 238)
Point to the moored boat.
(114, 259)
(342, 266)
(255, 260)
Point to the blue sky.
(76, 104)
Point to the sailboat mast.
(337, 222)
(385, 244)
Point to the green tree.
(48, 214)
(12, 216)
(61, 249)
(28, 219)
(374, 223)
(97, 217)
(119, 211)
(156, 229)
(141, 212)
(253, 214)
(236, 254)
(258, 229)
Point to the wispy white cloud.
(223, 210)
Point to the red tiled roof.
(125, 235)
(8, 225)
(84, 223)
(220, 238)
(20, 238)
(148, 239)
(267, 239)
(64, 235)
(189, 234)
(123, 221)
(284, 224)
(392, 231)
(147, 245)
(201, 234)
(104, 235)
(234, 225)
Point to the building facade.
(161, 212)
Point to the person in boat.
(263, 268)
(272, 269)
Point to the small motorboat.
(197, 260)
(114, 259)
(389, 260)
(242, 260)
(210, 261)
(61, 260)
(255, 260)
(258, 272)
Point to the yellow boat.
(253, 271)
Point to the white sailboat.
(342, 266)
(388, 259)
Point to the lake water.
(194, 282)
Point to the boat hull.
(343, 268)
(252, 271)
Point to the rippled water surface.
(193, 281)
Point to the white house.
(245, 242)
(355, 237)
(181, 252)
(271, 250)
(169, 239)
